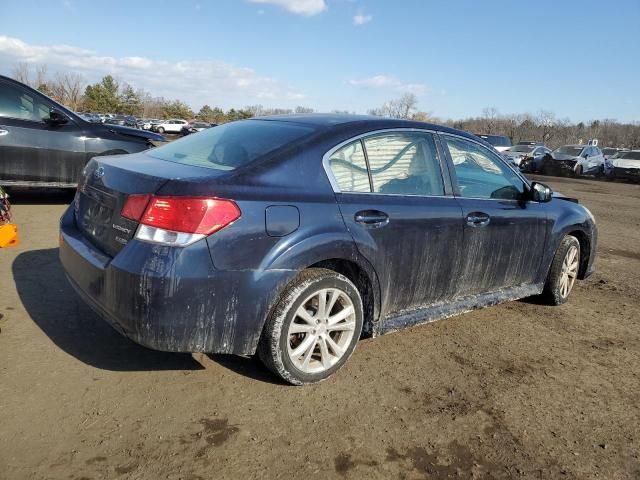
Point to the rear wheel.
(314, 328)
(563, 271)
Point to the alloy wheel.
(569, 271)
(321, 331)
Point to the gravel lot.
(519, 390)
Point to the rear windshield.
(575, 151)
(521, 148)
(231, 145)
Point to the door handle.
(478, 219)
(372, 218)
(3, 132)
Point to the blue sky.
(580, 59)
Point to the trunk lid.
(105, 185)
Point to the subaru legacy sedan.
(291, 237)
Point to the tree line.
(112, 96)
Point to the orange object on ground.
(9, 235)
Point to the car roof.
(331, 121)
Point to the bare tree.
(490, 115)
(22, 73)
(403, 107)
(41, 76)
(547, 122)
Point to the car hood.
(625, 163)
(563, 156)
(134, 132)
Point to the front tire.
(314, 328)
(563, 271)
(160, 130)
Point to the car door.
(33, 149)
(598, 157)
(401, 213)
(504, 234)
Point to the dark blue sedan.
(293, 236)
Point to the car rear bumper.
(171, 299)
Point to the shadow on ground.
(74, 327)
(250, 367)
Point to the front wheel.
(314, 328)
(563, 271)
(160, 130)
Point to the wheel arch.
(336, 252)
(585, 250)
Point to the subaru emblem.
(98, 172)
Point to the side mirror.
(540, 192)
(57, 117)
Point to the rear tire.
(313, 329)
(563, 271)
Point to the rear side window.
(232, 145)
(404, 164)
(350, 168)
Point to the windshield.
(568, 150)
(521, 148)
(231, 145)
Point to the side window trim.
(452, 170)
(441, 160)
(366, 162)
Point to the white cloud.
(361, 19)
(195, 81)
(390, 83)
(299, 7)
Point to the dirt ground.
(519, 390)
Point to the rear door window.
(232, 145)
(404, 163)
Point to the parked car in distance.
(148, 123)
(169, 126)
(608, 152)
(624, 164)
(195, 127)
(43, 144)
(574, 159)
(122, 120)
(527, 156)
(499, 142)
(289, 236)
(90, 117)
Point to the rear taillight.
(179, 221)
(135, 206)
